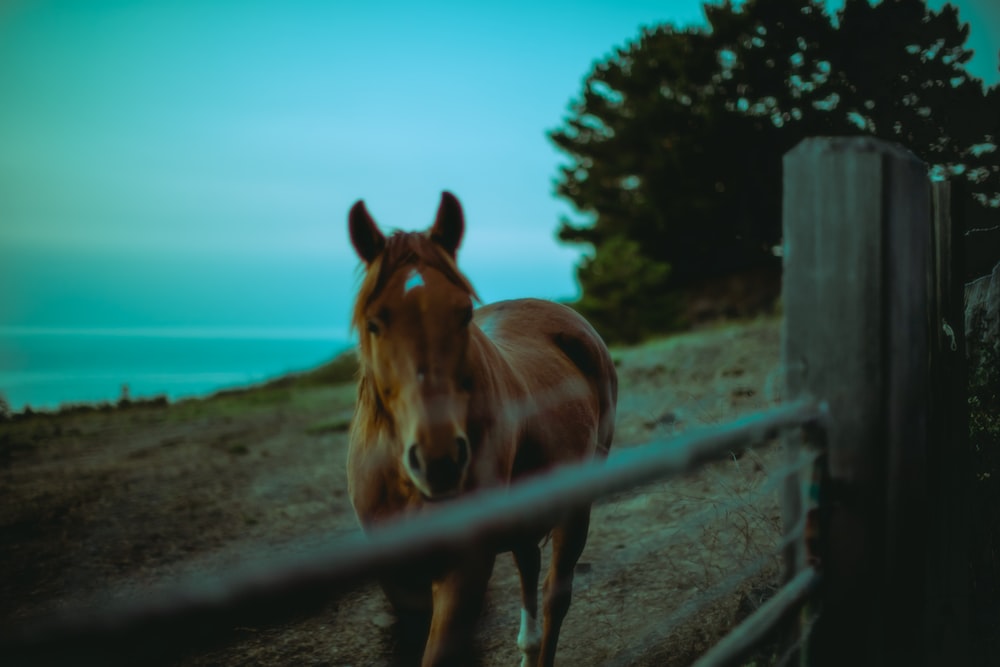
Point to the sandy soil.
(106, 503)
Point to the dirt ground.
(104, 504)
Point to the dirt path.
(104, 504)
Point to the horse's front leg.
(410, 596)
(458, 601)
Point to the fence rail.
(742, 639)
(204, 608)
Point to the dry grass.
(109, 503)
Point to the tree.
(646, 139)
(677, 140)
(645, 308)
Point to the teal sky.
(191, 164)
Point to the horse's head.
(412, 316)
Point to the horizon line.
(340, 335)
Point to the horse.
(452, 399)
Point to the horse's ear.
(449, 225)
(368, 241)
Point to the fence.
(871, 345)
(873, 310)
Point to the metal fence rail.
(742, 639)
(204, 609)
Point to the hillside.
(104, 504)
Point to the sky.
(191, 164)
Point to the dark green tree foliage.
(677, 140)
(653, 145)
(918, 93)
(645, 308)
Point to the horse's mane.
(401, 249)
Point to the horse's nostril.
(413, 457)
(463, 451)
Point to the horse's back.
(527, 320)
(550, 344)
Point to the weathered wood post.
(949, 471)
(856, 291)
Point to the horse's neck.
(497, 391)
(492, 369)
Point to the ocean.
(48, 368)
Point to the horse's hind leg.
(568, 540)
(528, 558)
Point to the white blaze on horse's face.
(413, 281)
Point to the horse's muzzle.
(442, 476)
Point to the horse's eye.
(466, 316)
(373, 327)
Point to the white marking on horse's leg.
(414, 279)
(529, 639)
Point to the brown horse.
(451, 400)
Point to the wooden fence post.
(856, 291)
(948, 457)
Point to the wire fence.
(659, 628)
(198, 611)
(649, 557)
